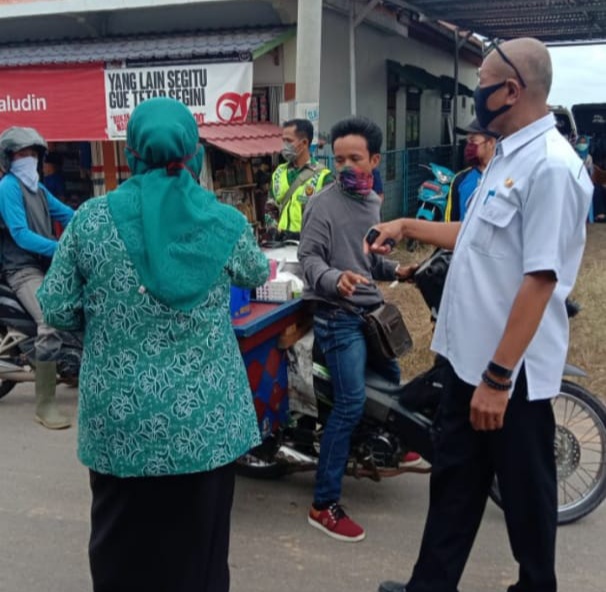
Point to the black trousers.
(522, 456)
(161, 534)
(599, 200)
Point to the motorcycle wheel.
(580, 450)
(6, 386)
(260, 462)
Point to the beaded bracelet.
(493, 384)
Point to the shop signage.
(215, 93)
(61, 102)
(88, 102)
(311, 112)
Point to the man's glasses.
(495, 46)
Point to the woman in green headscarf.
(165, 406)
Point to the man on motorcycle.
(339, 281)
(28, 211)
(503, 329)
(478, 152)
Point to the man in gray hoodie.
(339, 280)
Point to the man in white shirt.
(503, 328)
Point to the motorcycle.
(432, 196)
(398, 419)
(433, 193)
(17, 337)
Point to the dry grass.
(588, 329)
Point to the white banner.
(215, 93)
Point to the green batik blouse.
(162, 392)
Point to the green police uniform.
(291, 213)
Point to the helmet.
(14, 139)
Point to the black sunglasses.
(495, 46)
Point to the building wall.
(373, 48)
(290, 59)
(268, 70)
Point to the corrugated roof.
(244, 139)
(243, 44)
(548, 20)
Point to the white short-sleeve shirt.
(528, 214)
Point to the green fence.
(402, 176)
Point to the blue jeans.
(339, 334)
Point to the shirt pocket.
(492, 234)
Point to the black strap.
(347, 306)
(309, 170)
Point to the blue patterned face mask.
(26, 170)
(355, 181)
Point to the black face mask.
(480, 98)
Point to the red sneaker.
(411, 459)
(336, 523)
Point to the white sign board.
(215, 93)
(295, 110)
(310, 111)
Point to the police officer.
(298, 179)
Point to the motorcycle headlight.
(442, 178)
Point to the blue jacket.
(12, 211)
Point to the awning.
(408, 75)
(550, 21)
(219, 45)
(245, 140)
(447, 84)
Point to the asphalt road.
(44, 505)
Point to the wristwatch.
(498, 370)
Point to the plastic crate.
(239, 302)
(276, 290)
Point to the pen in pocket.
(490, 194)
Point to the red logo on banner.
(233, 107)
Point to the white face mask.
(26, 170)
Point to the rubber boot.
(46, 406)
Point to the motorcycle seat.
(378, 383)
(432, 186)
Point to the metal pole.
(309, 51)
(352, 59)
(455, 98)
(353, 24)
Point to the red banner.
(64, 103)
